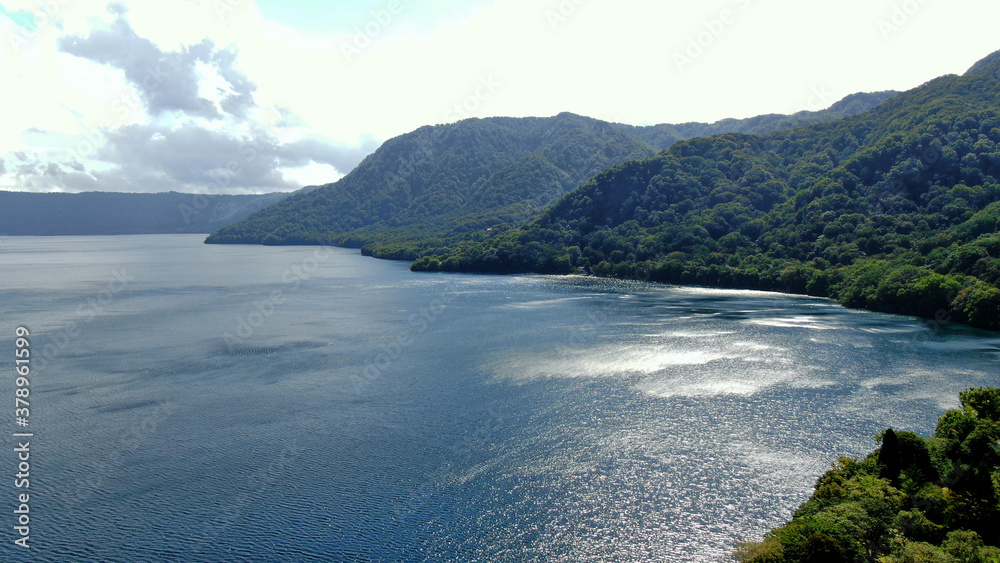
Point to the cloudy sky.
(240, 96)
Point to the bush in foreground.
(914, 499)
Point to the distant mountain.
(439, 185)
(896, 209)
(109, 213)
(667, 135)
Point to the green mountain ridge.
(443, 184)
(895, 209)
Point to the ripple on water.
(532, 419)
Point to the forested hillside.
(914, 499)
(896, 209)
(439, 185)
(108, 213)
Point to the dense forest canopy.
(914, 499)
(439, 185)
(896, 209)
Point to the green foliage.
(990, 554)
(898, 505)
(767, 551)
(890, 457)
(984, 403)
(964, 546)
(915, 525)
(956, 425)
(894, 210)
(810, 538)
(442, 184)
(438, 187)
(920, 552)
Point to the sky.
(253, 96)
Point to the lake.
(239, 403)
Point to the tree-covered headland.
(912, 500)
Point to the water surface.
(233, 403)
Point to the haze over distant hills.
(109, 213)
(438, 185)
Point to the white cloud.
(168, 80)
(314, 174)
(126, 113)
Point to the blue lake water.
(239, 403)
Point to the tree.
(889, 457)
(895, 507)
(821, 548)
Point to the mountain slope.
(896, 209)
(763, 124)
(109, 213)
(438, 185)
